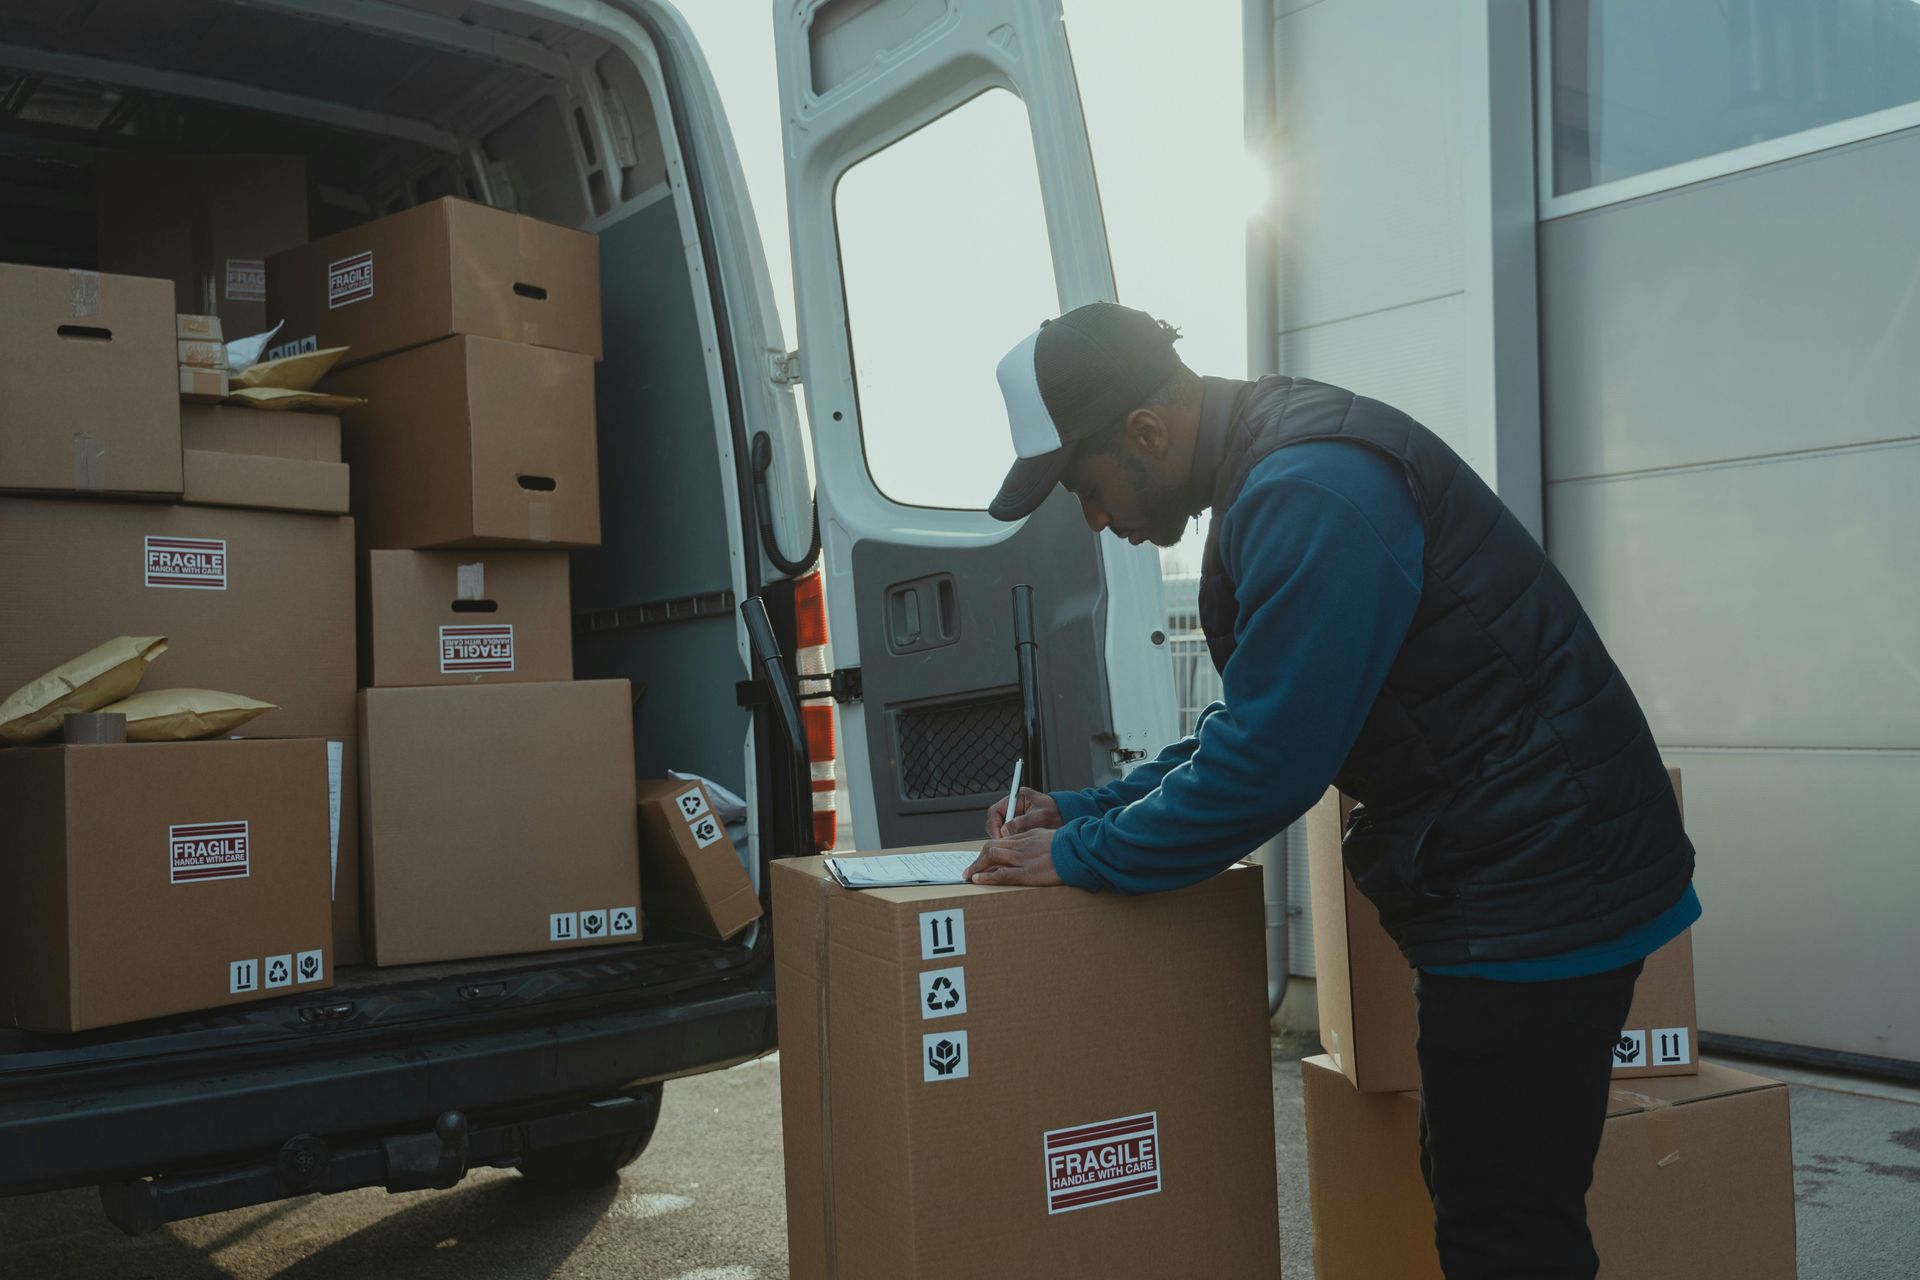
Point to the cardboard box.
(438, 269)
(206, 222)
(1032, 1082)
(198, 328)
(498, 819)
(1364, 986)
(472, 442)
(229, 428)
(257, 603)
(466, 617)
(1694, 1178)
(87, 403)
(693, 877)
(204, 386)
(272, 484)
(149, 879)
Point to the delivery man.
(1381, 622)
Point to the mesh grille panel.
(964, 749)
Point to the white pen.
(1013, 796)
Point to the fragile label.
(350, 279)
(1630, 1050)
(943, 1056)
(196, 563)
(246, 280)
(1097, 1163)
(706, 830)
(207, 851)
(471, 649)
(593, 924)
(309, 966)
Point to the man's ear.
(1147, 435)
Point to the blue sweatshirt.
(1324, 546)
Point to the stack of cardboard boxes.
(1694, 1175)
(497, 792)
(147, 879)
(476, 801)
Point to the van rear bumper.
(168, 1123)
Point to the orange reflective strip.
(810, 611)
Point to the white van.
(601, 114)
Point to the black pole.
(773, 673)
(1026, 656)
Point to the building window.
(1642, 85)
(945, 264)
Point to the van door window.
(943, 245)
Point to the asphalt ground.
(706, 1202)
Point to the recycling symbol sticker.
(943, 992)
(623, 921)
(944, 1056)
(280, 971)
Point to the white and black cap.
(1071, 379)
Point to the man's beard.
(1163, 504)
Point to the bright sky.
(1162, 97)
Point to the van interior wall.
(664, 531)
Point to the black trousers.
(1514, 1084)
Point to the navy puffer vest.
(1512, 801)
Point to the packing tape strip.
(89, 463)
(470, 582)
(529, 230)
(1663, 1126)
(821, 953)
(83, 292)
(530, 333)
(539, 520)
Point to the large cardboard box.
(499, 819)
(448, 267)
(1024, 1082)
(466, 617)
(692, 874)
(148, 879)
(1694, 1178)
(472, 442)
(1364, 986)
(252, 602)
(87, 397)
(207, 222)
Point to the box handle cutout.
(542, 484)
(533, 291)
(475, 606)
(86, 332)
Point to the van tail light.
(817, 712)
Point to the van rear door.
(942, 202)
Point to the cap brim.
(1028, 485)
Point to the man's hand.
(1021, 859)
(1038, 812)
